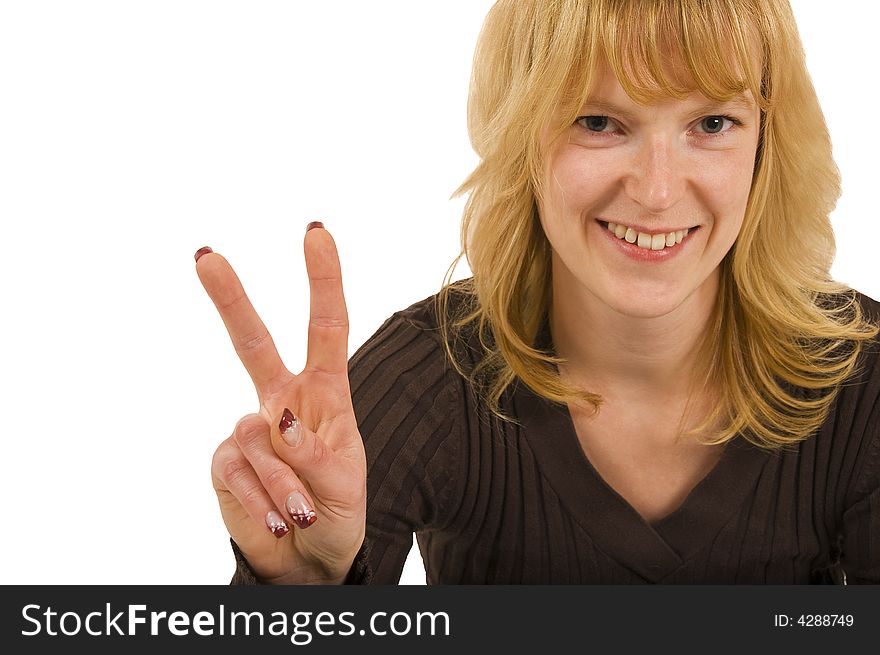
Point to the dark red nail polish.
(202, 251)
(314, 224)
(290, 429)
(287, 419)
(302, 522)
(299, 511)
(276, 524)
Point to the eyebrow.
(739, 101)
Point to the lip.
(632, 251)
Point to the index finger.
(249, 335)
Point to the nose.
(657, 178)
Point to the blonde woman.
(650, 377)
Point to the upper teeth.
(647, 241)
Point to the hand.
(297, 512)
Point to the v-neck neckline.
(652, 550)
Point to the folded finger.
(284, 487)
(238, 477)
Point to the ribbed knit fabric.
(494, 502)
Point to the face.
(642, 202)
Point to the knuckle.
(226, 451)
(327, 322)
(250, 430)
(235, 472)
(252, 341)
(227, 303)
(251, 495)
(277, 478)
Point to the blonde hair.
(783, 335)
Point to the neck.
(604, 349)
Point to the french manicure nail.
(276, 524)
(314, 224)
(299, 510)
(202, 251)
(290, 428)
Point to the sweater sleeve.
(407, 400)
(245, 575)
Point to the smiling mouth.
(646, 241)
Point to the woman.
(650, 376)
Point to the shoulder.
(870, 307)
(869, 349)
(413, 332)
(869, 366)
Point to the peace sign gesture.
(300, 460)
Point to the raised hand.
(291, 479)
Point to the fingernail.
(202, 251)
(314, 224)
(299, 510)
(289, 427)
(276, 524)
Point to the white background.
(132, 133)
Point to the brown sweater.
(499, 503)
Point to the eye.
(595, 123)
(717, 124)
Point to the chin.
(654, 309)
(648, 302)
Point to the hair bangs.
(668, 49)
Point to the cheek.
(726, 191)
(573, 184)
